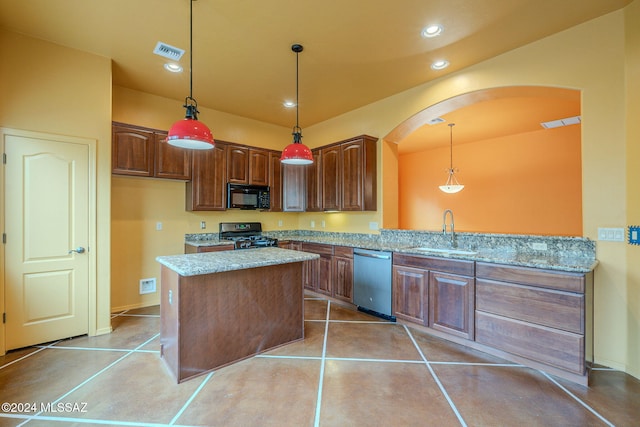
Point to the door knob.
(78, 250)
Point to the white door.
(46, 180)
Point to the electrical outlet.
(373, 226)
(158, 226)
(611, 234)
(313, 224)
(147, 286)
(323, 224)
(203, 225)
(280, 223)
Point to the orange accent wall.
(528, 183)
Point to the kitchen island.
(221, 307)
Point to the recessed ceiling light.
(439, 65)
(289, 104)
(173, 67)
(431, 31)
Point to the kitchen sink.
(445, 251)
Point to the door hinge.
(4, 317)
(4, 158)
(4, 238)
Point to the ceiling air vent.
(168, 51)
(435, 121)
(562, 122)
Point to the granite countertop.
(563, 254)
(217, 262)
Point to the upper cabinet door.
(352, 176)
(171, 162)
(314, 183)
(207, 190)
(331, 182)
(275, 182)
(293, 188)
(238, 164)
(258, 167)
(132, 150)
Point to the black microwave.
(244, 196)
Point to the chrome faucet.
(444, 226)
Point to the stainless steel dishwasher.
(372, 282)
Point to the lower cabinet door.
(410, 296)
(325, 278)
(451, 303)
(343, 278)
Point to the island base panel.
(216, 319)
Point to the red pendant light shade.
(189, 132)
(296, 153)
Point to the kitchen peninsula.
(221, 307)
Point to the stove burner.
(245, 235)
(249, 242)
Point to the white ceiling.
(355, 51)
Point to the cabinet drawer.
(343, 251)
(572, 282)
(556, 309)
(561, 349)
(445, 265)
(317, 248)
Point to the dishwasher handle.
(370, 255)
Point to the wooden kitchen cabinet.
(314, 183)
(238, 164)
(332, 273)
(247, 165)
(331, 182)
(140, 151)
(258, 166)
(293, 188)
(319, 270)
(342, 272)
(410, 294)
(207, 190)
(358, 174)
(132, 150)
(451, 304)
(542, 315)
(171, 162)
(275, 182)
(349, 175)
(435, 292)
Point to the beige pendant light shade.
(452, 185)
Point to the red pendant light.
(189, 132)
(297, 153)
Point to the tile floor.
(350, 370)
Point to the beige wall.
(53, 89)
(633, 183)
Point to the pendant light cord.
(451, 125)
(191, 49)
(297, 104)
